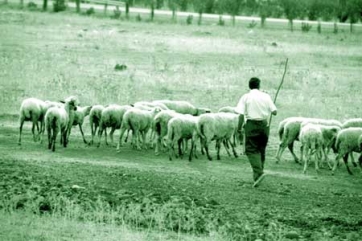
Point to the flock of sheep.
(172, 123)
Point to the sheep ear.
(62, 101)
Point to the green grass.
(51, 56)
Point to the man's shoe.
(259, 180)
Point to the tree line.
(320, 10)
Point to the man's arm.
(241, 122)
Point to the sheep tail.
(280, 132)
(158, 127)
(200, 130)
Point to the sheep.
(112, 116)
(79, 116)
(216, 126)
(311, 138)
(228, 109)
(347, 142)
(289, 131)
(160, 122)
(58, 119)
(179, 128)
(95, 119)
(150, 104)
(139, 121)
(355, 122)
(33, 109)
(183, 107)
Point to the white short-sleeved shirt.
(255, 105)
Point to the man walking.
(256, 107)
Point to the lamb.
(180, 127)
(79, 116)
(95, 119)
(289, 131)
(311, 138)
(59, 119)
(139, 121)
(216, 126)
(111, 116)
(346, 143)
(355, 122)
(160, 126)
(183, 107)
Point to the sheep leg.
(218, 147)
(206, 146)
(33, 128)
(158, 144)
(136, 137)
(352, 159)
(336, 162)
(360, 162)
(226, 145)
(64, 134)
(144, 137)
(100, 131)
(81, 131)
(180, 144)
(50, 138)
(22, 119)
(304, 153)
(171, 149)
(191, 149)
(280, 152)
(316, 161)
(345, 159)
(233, 146)
(111, 135)
(120, 139)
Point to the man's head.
(254, 83)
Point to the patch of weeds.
(306, 27)
(59, 6)
(32, 6)
(90, 11)
(252, 24)
(116, 13)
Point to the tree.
(45, 5)
(232, 7)
(353, 9)
(77, 2)
(292, 9)
(199, 7)
(172, 4)
(128, 4)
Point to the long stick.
(280, 85)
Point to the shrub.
(189, 19)
(32, 5)
(306, 27)
(252, 24)
(59, 5)
(116, 13)
(335, 28)
(138, 18)
(90, 11)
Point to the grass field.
(51, 56)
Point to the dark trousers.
(256, 139)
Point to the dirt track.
(308, 204)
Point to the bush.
(189, 19)
(138, 18)
(59, 5)
(306, 27)
(252, 24)
(221, 21)
(90, 11)
(335, 28)
(116, 13)
(32, 5)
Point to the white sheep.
(355, 122)
(79, 116)
(179, 128)
(347, 142)
(183, 107)
(228, 109)
(111, 116)
(289, 132)
(217, 126)
(311, 138)
(95, 119)
(33, 109)
(150, 105)
(58, 119)
(140, 122)
(160, 122)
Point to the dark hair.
(254, 83)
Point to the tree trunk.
(233, 19)
(152, 11)
(173, 13)
(291, 25)
(200, 18)
(45, 5)
(77, 2)
(21, 3)
(262, 21)
(127, 9)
